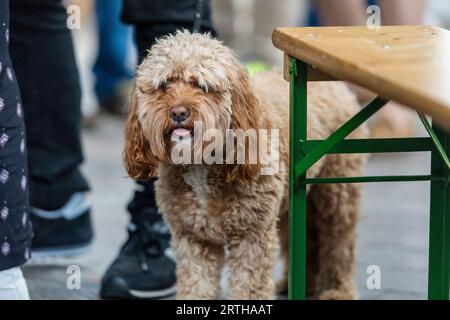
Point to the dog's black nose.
(179, 113)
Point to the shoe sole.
(153, 294)
(63, 251)
(140, 294)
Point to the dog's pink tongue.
(181, 132)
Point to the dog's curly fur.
(233, 209)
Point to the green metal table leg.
(439, 245)
(304, 154)
(297, 208)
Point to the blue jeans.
(111, 65)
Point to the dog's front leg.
(199, 266)
(251, 261)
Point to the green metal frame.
(305, 153)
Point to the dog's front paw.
(338, 294)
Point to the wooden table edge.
(357, 76)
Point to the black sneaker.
(63, 232)
(145, 267)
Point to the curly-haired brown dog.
(213, 209)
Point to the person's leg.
(341, 13)
(146, 34)
(267, 15)
(15, 227)
(13, 285)
(144, 267)
(402, 12)
(394, 120)
(110, 69)
(43, 55)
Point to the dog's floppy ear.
(244, 116)
(244, 103)
(138, 159)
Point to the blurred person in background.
(247, 25)
(43, 56)
(111, 71)
(393, 120)
(144, 267)
(438, 13)
(15, 227)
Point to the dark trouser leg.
(144, 268)
(152, 21)
(145, 36)
(143, 201)
(43, 56)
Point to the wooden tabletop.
(408, 64)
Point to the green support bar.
(439, 236)
(297, 208)
(347, 128)
(375, 179)
(375, 145)
(434, 138)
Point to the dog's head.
(185, 79)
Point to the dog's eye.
(145, 90)
(164, 85)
